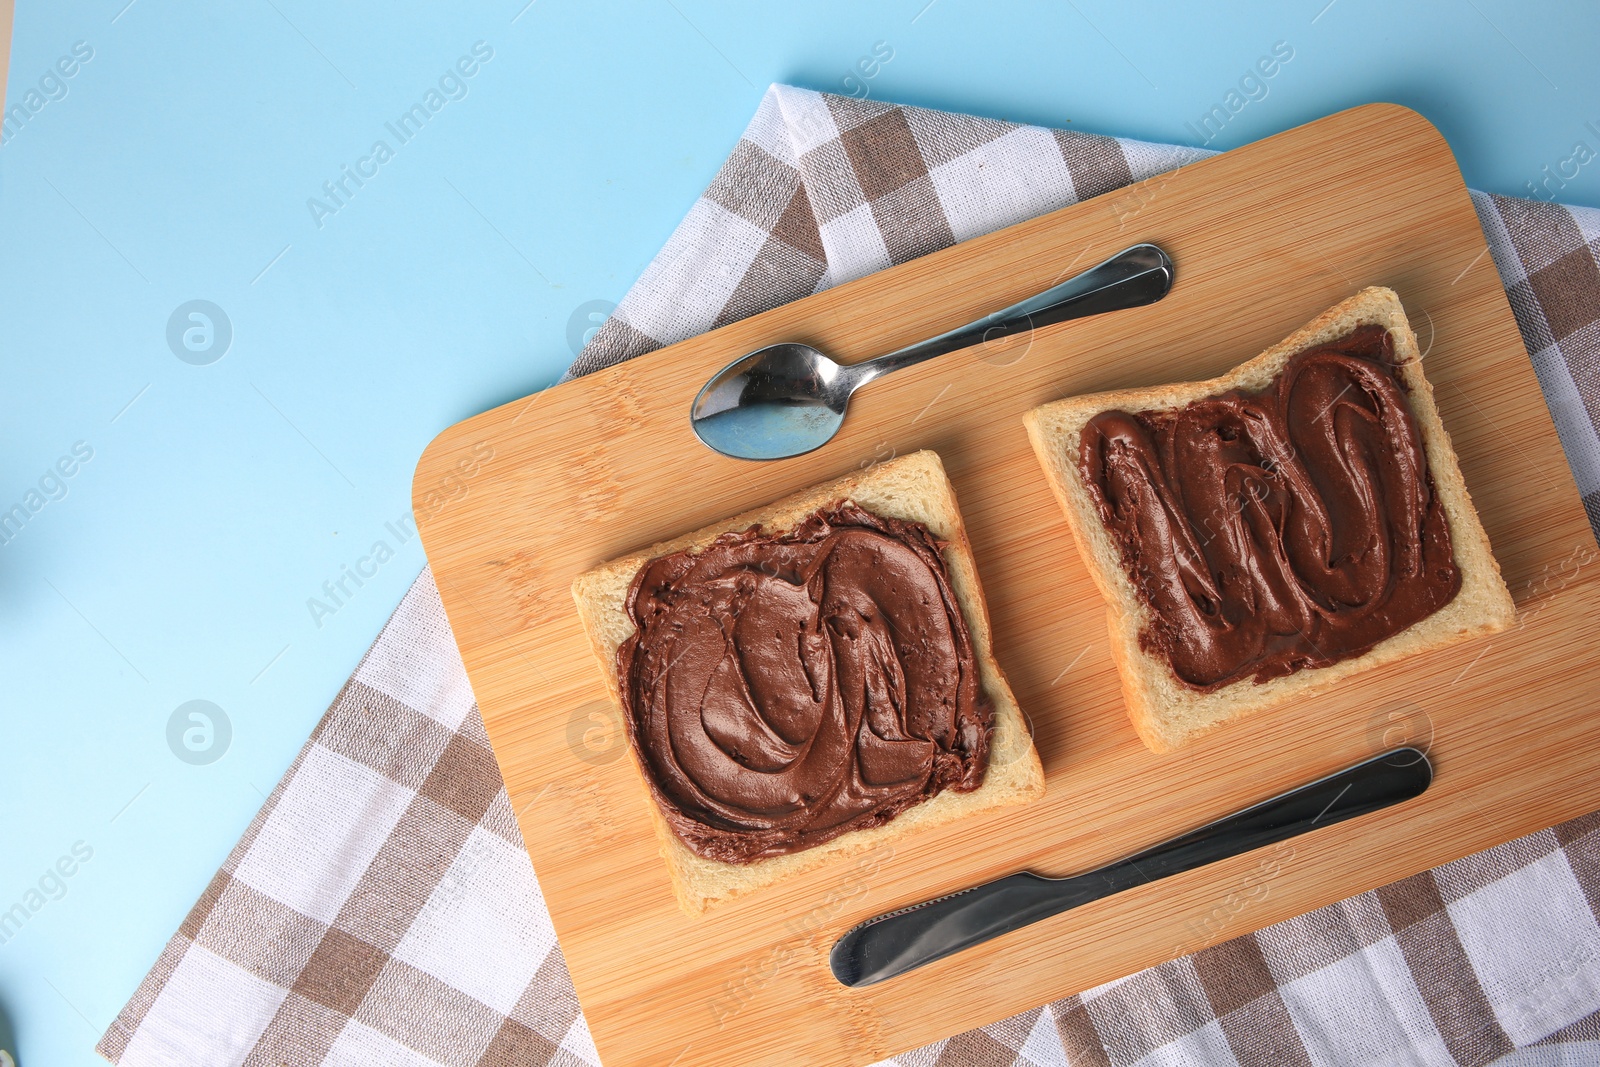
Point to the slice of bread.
(914, 488)
(1167, 713)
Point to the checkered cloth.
(381, 907)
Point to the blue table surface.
(218, 480)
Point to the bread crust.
(912, 487)
(1167, 714)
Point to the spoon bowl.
(789, 399)
(782, 400)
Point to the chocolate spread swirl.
(1274, 531)
(784, 688)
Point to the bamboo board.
(513, 503)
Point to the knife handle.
(910, 937)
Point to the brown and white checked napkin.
(381, 908)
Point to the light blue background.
(178, 166)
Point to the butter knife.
(901, 940)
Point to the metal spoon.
(788, 399)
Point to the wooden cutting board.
(513, 503)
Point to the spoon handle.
(902, 940)
(1132, 278)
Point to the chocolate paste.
(1273, 531)
(783, 689)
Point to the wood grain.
(512, 504)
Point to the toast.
(1166, 712)
(913, 488)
